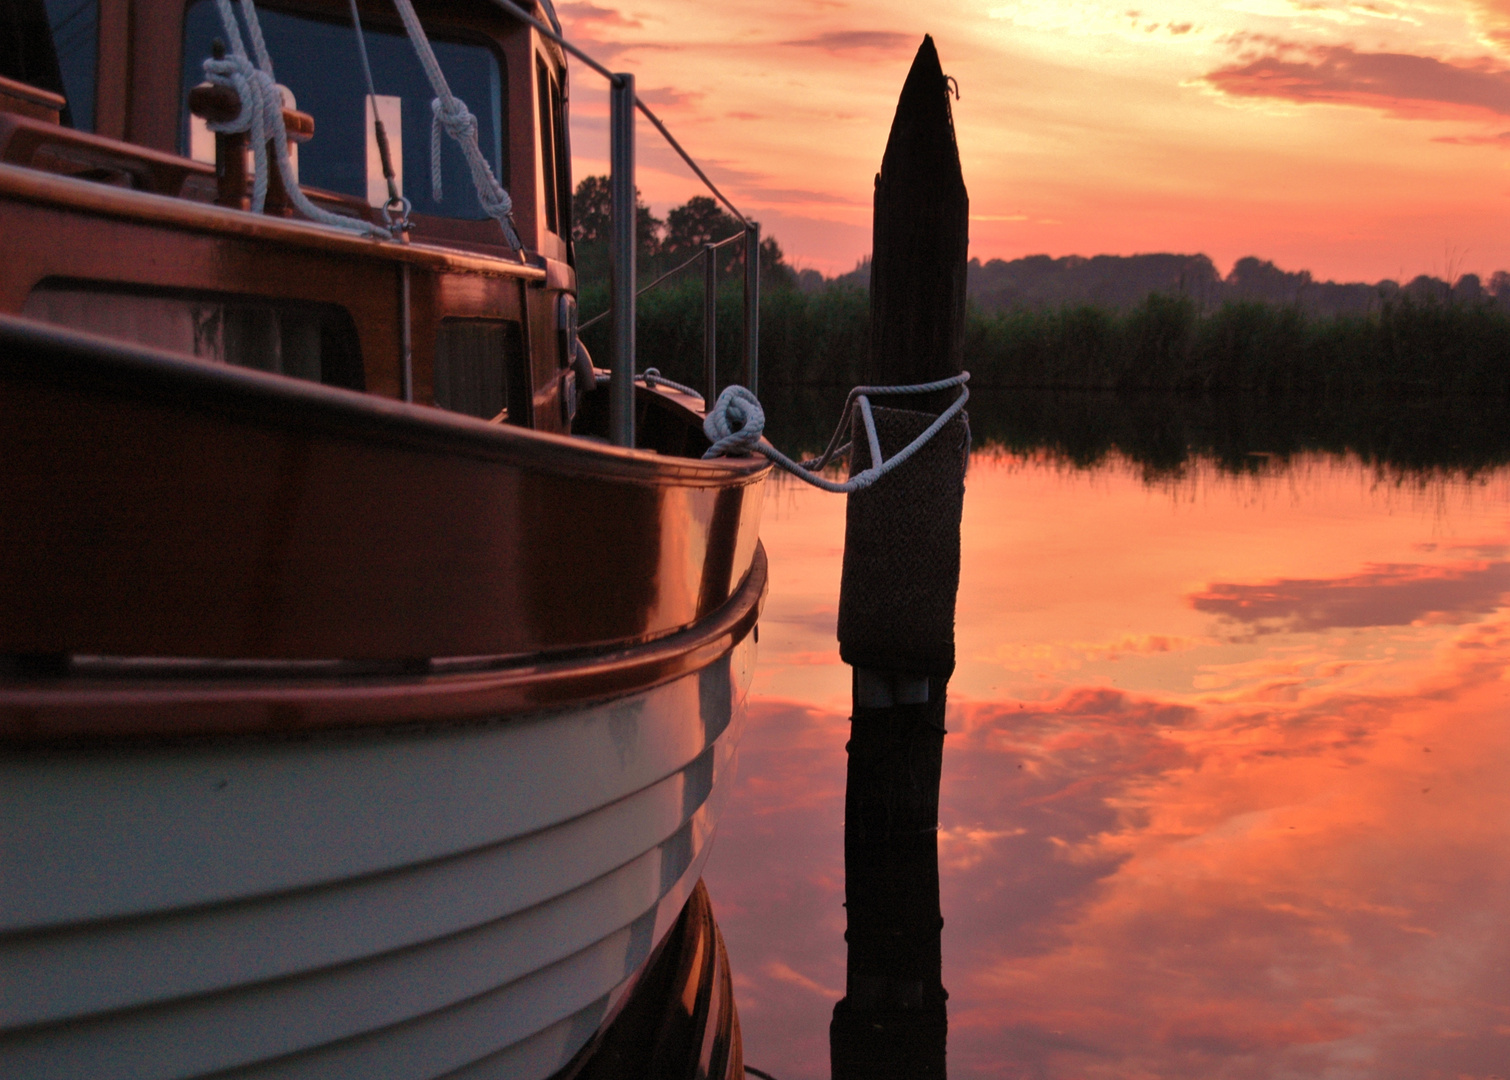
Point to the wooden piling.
(897, 598)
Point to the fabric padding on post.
(901, 548)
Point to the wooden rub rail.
(63, 708)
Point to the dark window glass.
(563, 160)
(479, 368)
(317, 342)
(547, 152)
(318, 61)
(76, 35)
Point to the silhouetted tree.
(1258, 279)
(592, 215)
(698, 221)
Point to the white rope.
(261, 116)
(452, 114)
(736, 421)
(653, 377)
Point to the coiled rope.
(735, 423)
(261, 116)
(452, 114)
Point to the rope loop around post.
(735, 422)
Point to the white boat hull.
(398, 902)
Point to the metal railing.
(622, 103)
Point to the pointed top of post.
(922, 132)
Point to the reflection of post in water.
(896, 604)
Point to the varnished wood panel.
(163, 507)
(112, 93)
(47, 243)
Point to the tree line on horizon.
(1122, 282)
(1118, 323)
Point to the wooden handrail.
(30, 101)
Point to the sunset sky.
(1359, 140)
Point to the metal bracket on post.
(621, 248)
(752, 309)
(710, 322)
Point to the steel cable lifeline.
(701, 254)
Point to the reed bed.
(1408, 346)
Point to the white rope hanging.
(261, 116)
(452, 114)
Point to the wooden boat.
(367, 714)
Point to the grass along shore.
(1408, 346)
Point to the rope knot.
(237, 73)
(452, 115)
(734, 424)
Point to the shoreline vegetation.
(1166, 343)
(1140, 323)
(1412, 379)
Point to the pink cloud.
(849, 41)
(1395, 594)
(1398, 84)
(592, 13)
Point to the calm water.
(1226, 791)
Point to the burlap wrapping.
(901, 549)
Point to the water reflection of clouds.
(1309, 890)
(1288, 861)
(1379, 595)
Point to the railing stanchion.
(752, 308)
(622, 242)
(710, 322)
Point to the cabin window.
(51, 45)
(317, 60)
(555, 156)
(563, 158)
(480, 369)
(547, 146)
(75, 36)
(317, 342)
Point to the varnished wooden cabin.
(270, 291)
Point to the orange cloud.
(1494, 17)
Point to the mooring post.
(896, 601)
